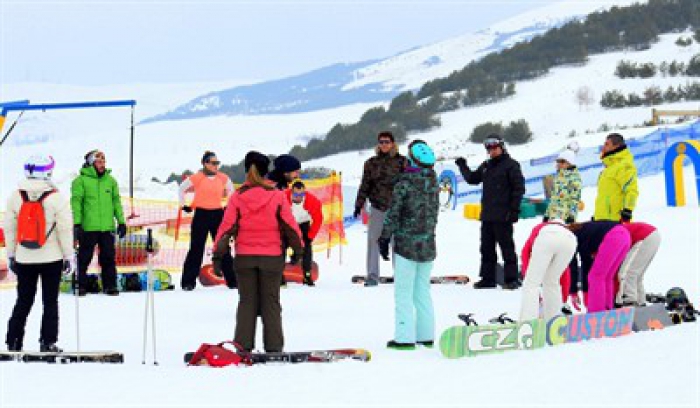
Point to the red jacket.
(254, 212)
(639, 231)
(315, 208)
(565, 280)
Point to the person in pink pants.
(602, 246)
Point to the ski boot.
(393, 344)
(426, 343)
(501, 319)
(307, 279)
(468, 319)
(49, 348)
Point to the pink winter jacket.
(639, 231)
(527, 252)
(251, 218)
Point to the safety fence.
(648, 151)
(171, 230)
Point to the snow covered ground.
(643, 369)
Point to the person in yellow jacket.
(617, 183)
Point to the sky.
(149, 41)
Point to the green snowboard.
(470, 341)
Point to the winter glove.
(121, 230)
(513, 216)
(12, 265)
(545, 219)
(575, 301)
(67, 267)
(626, 215)
(187, 209)
(77, 232)
(293, 259)
(357, 212)
(384, 248)
(216, 261)
(461, 162)
(570, 220)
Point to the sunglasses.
(561, 161)
(385, 142)
(214, 162)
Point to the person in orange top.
(308, 213)
(210, 188)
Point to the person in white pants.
(546, 255)
(645, 243)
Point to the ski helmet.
(39, 167)
(676, 298)
(493, 141)
(420, 154)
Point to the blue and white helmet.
(420, 154)
(39, 167)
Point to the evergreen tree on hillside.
(517, 132)
(483, 131)
(693, 68)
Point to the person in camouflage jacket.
(378, 179)
(566, 192)
(411, 221)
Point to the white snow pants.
(631, 274)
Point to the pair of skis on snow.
(62, 357)
(316, 356)
(435, 280)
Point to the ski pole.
(76, 293)
(151, 289)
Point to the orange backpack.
(31, 223)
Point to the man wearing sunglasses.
(379, 176)
(617, 183)
(307, 211)
(210, 187)
(503, 188)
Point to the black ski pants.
(308, 258)
(500, 233)
(27, 278)
(205, 223)
(104, 240)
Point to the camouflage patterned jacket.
(566, 194)
(413, 215)
(378, 179)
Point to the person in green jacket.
(617, 183)
(566, 191)
(96, 205)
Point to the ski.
(435, 280)
(316, 356)
(65, 357)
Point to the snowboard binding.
(468, 319)
(501, 319)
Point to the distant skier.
(411, 221)
(566, 191)
(39, 240)
(308, 213)
(617, 183)
(210, 186)
(503, 189)
(602, 246)
(259, 220)
(645, 240)
(546, 256)
(378, 180)
(96, 205)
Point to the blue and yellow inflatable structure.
(673, 168)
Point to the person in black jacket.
(503, 188)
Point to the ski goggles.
(299, 195)
(492, 143)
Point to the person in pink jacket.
(546, 256)
(645, 243)
(259, 220)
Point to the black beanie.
(386, 134)
(286, 163)
(207, 155)
(261, 162)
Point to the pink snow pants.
(601, 278)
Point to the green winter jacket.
(617, 185)
(566, 194)
(413, 214)
(95, 201)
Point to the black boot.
(14, 345)
(49, 348)
(307, 279)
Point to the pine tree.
(483, 131)
(518, 132)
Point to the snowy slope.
(377, 81)
(643, 369)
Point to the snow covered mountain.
(374, 81)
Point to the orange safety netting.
(171, 230)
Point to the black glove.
(461, 162)
(626, 215)
(187, 209)
(570, 220)
(513, 216)
(66, 267)
(216, 261)
(357, 212)
(384, 248)
(77, 232)
(545, 219)
(293, 259)
(121, 230)
(12, 264)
